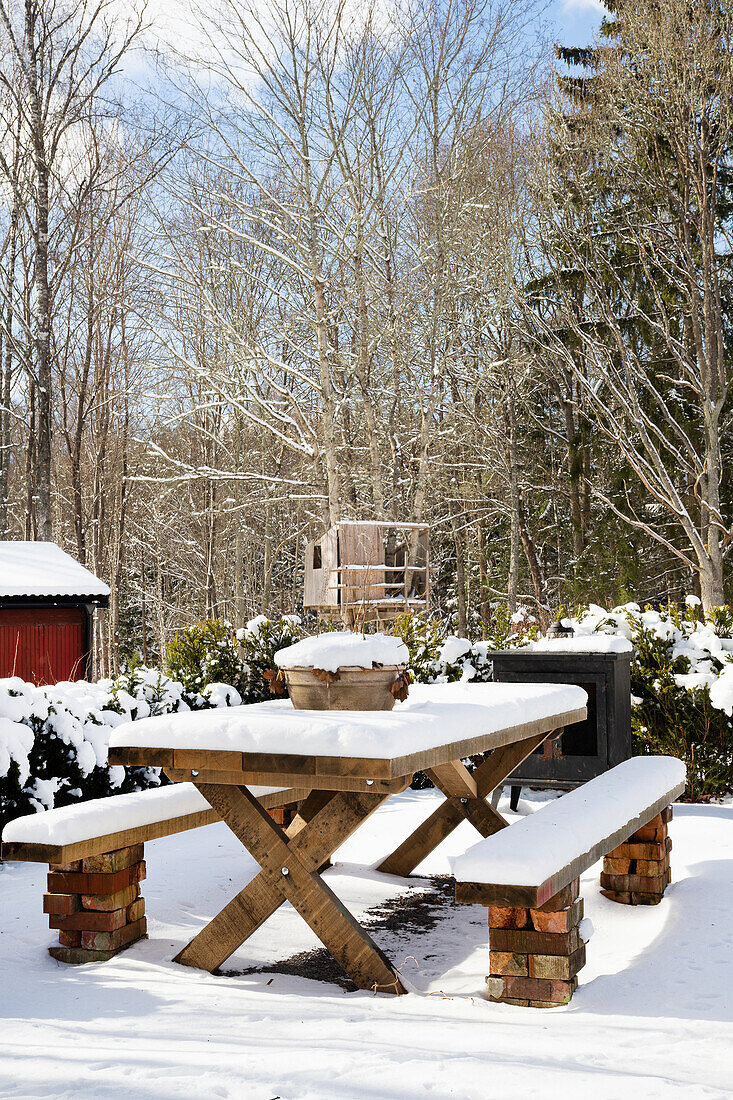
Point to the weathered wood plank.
(269, 779)
(428, 835)
(454, 779)
(484, 818)
(140, 756)
(110, 842)
(308, 809)
(494, 768)
(287, 769)
(473, 746)
(533, 895)
(444, 819)
(341, 934)
(339, 817)
(212, 759)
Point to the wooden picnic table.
(226, 752)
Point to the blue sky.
(576, 21)
(570, 22)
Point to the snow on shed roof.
(44, 569)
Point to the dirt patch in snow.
(414, 912)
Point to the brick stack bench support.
(638, 871)
(528, 875)
(96, 905)
(95, 855)
(535, 954)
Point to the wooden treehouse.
(363, 571)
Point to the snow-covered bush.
(204, 653)
(437, 658)
(424, 638)
(259, 641)
(681, 676)
(681, 684)
(53, 740)
(213, 652)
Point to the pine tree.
(634, 300)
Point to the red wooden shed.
(47, 602)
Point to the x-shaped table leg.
(466, 795)
(289, 873)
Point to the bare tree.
(648, 251)
(58, 56)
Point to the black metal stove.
(585, 749)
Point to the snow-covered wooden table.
(351, 761)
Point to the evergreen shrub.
(681, 676)
(259, 641)
(54, 739)
(205, 653)
(681, 685)
(213, 652)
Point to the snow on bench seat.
(102, 824)
(536, 857)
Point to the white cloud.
(592, 6)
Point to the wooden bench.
(95, 855)
(528, 875)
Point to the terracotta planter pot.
(355, 688)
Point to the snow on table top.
(341, 649)
(533, 850)
(583, 643)
(433, 715)
(43, 569)
(99, 816)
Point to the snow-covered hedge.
(53, 740)
(681, 683)
(681, 679)
(214, 651)
(681, 675)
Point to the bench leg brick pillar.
(96, 906)
(283, 815)
(535, 954)
(637, 872)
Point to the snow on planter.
(532, 850)
(433, 715)
(343, 649)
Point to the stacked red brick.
(535, 954)
(95, 904)
(283, 815)
(637, 872)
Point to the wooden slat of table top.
(270, 779)
(309, 768)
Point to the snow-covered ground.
(653, 1016)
